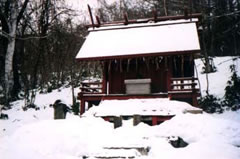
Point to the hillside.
(34, 134)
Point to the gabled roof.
(149, 39)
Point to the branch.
(20, 15)
(4, 34)
(224, 15)
(62, 12)
(33, 37)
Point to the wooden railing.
(184, 84)
(185, 88)
(91, 87)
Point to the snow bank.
(208, 137)
(18, 117)
(131, 107)
(45, 139)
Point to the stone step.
(119, 153)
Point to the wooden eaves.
(100, 58)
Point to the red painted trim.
(99, 58)
(87, 97)
(106, 118)
(154, 120)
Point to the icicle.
(121, 65)
(109, 65)
(147, 63)
(182, 65)
(136, 64)
(191, 58)
(166, 63)
(128, 64)
(175, 63)
(116, 62)
(157, 64)
(89, 71)
(102, 64)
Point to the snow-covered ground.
(35, 135)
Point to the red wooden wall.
(138, 69)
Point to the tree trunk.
(9, 81)
(8, 67)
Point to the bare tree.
(13, 12)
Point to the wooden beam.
(154, 120)
(154, 15)
(158, 19)
(186, 15)
(91, 16)
(82, 106)
(125, 19)
(98, 21)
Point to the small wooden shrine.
(147, 58)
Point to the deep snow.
(35, 135)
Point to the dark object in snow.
(60, 109)
(177, 142)
(117, 122)
(210, 104)
(3, 116)
(32, 106)
(136, 120)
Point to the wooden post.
(82, 106)
(106, 118)
(154, 120)
(186, 13)
(136, 120)
(126, 19)
(117, 122)
(154, 12)
(168, 73)
(91, 16)
(194, 99)
(98, 21)
(105, 77)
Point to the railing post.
(193, 83)
(154, 120)
(182, 82)
(82, 106)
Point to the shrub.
(232, 91)
(210, 104)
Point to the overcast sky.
(81, 7)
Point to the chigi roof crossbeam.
(155, 19)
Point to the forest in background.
(39, 40)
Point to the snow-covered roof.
(149, 39)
